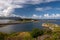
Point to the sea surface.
(25, 26)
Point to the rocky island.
(53, 27)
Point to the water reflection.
(20, 27)
(23, 27)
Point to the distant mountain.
(10, 18)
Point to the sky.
(37, 9)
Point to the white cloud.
(8, 6)
(52, 16)
(34, 16)
(39, 9)
(31, 1)
(41, 1)
(46, 16)
(43, 9)
(50, 0)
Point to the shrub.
(36, 32)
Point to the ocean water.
(24, 26)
